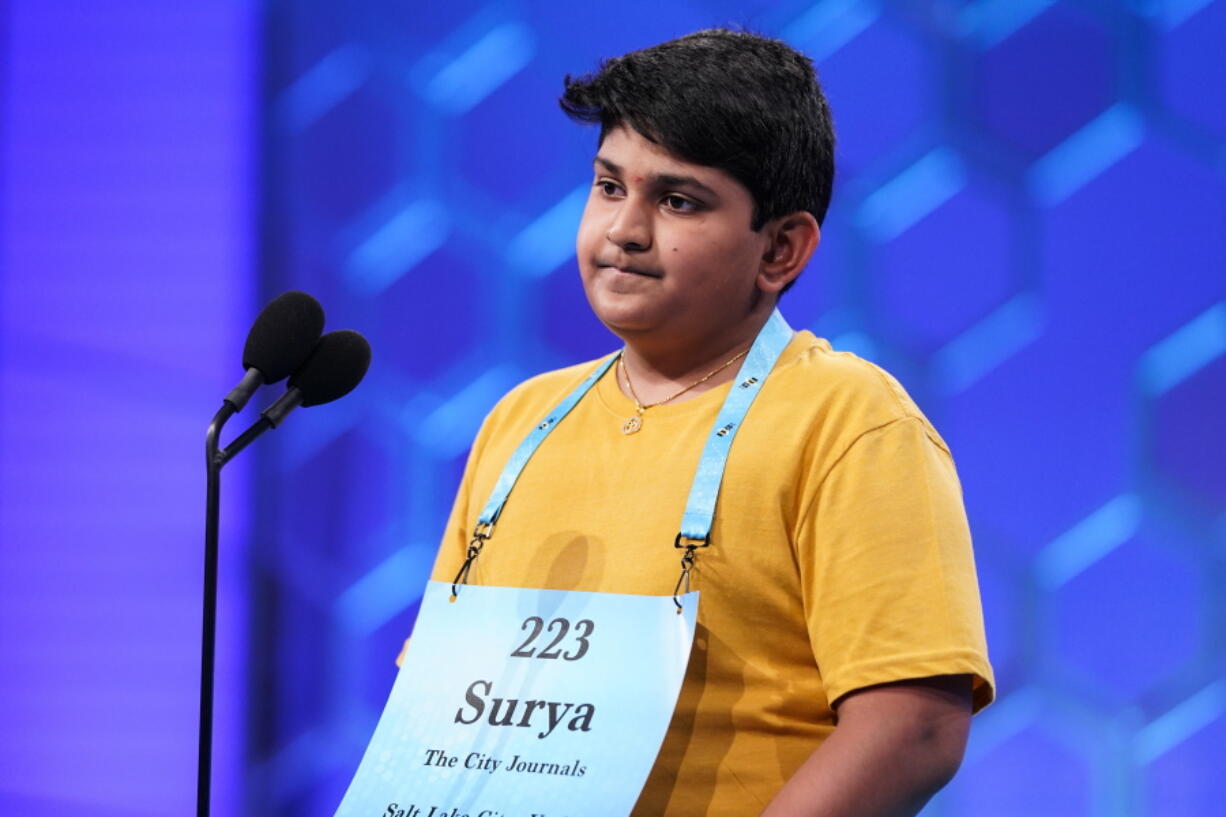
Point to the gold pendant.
(632, 425)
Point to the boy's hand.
(403, 650)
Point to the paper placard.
(526, 703)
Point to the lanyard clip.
(690, 544)
(481, 535)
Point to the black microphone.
(335, 368)
(282, 337)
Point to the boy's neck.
(659, 367)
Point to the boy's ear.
(791, 241)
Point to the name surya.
(547, 715)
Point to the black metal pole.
(213, 464)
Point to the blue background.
(1028, 229)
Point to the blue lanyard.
(515, 465)
(700, 507)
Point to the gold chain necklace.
(636, 422)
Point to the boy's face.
(665, 247)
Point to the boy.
(839, 649)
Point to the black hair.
(740, 102)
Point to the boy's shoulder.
(841, 387)
(556, 382)
(812, 367)
(535, 396)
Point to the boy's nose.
(629, 231)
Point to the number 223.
(582, 630)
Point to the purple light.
(126, 274)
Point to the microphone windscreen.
(283, 335)
(335, 368)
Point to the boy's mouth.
(630, 270)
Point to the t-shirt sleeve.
(887, 568)
(453, 547)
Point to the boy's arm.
(894, 747)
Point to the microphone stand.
(214, 459)
(212, 511)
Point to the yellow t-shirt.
(840, 555)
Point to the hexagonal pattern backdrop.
(1029, 229)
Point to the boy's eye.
(679, 203)
(607, 187)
